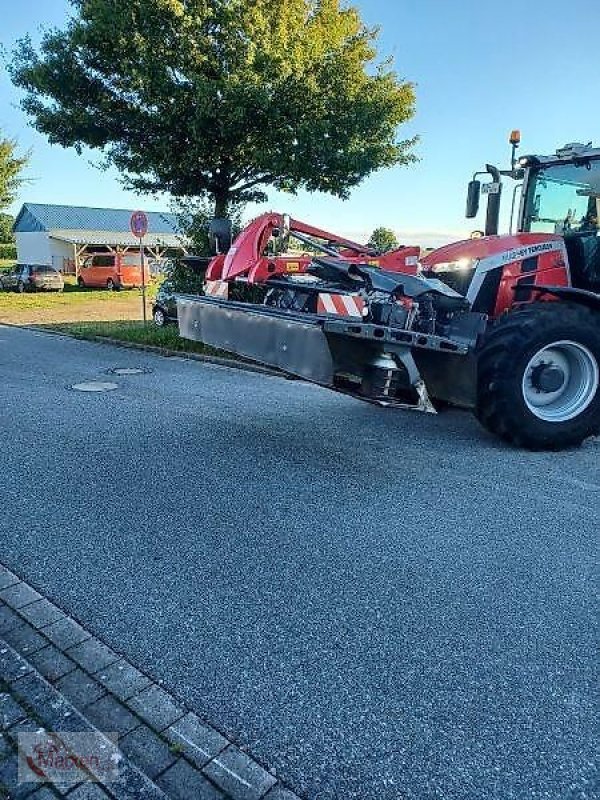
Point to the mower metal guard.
(292, 343)
(318, 348)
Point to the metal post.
(143, 278)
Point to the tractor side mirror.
(219, 235)
(473, 195)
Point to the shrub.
(8, 251)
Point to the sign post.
(139, 227)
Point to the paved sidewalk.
(55, 677)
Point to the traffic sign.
(139, 227)
(139, 224)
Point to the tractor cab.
(561, 195)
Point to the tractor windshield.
(564, 198)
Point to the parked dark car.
(164, 309)
(26, 278)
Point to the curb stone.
(56, 675)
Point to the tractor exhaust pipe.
(492, 220)
(219, 235)
(493, 191)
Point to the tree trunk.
(221, 199)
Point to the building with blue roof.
(62, 236)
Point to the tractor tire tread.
(507, 339)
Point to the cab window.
(564, 198)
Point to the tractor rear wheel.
(538, 380)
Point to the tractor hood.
(471, 250)
(474, 267)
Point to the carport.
(63, 236)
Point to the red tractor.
(507, 326)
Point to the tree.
(11, 166)
(193, 220)
(383, 240)
(6, 234)
(220, 99)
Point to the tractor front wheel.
(539, 376)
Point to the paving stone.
(155, 706)
(48, 705)
(51, 662)
(10, 712)
(25, 639)
(19, 595)
(7, 578)
(27, 725)
(12, 666)
(238, 775)
(79, 688)
(44, 794)
(132, 785)
(41, 613)
(66, 633)
(183, 782)
(123, 680)
(9, 777)
(92, 654)
(108, 715)
(280, 793)
(9, 619)
(199, 742)
(148, 751)
(88, 791)
(5, 747)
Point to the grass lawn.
(73, 305)
(88, 313)
(134, 332)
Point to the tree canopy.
(11, 167)
(220, 98)
(383, 240)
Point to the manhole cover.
(94, 386)
(128, 371)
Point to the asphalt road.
(380, 604)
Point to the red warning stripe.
(343, 305)
(216, 289)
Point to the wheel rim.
(560, 381)
(159, 317)
(110, 284)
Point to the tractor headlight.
(461, 265)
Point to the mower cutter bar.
(312, 346)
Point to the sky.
(481, 68)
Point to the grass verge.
(134, 333)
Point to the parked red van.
(112, 271)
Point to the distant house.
(62, 236)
